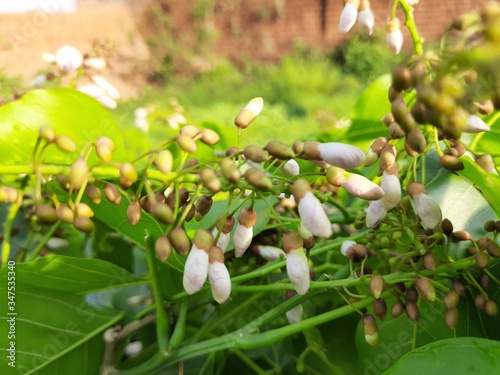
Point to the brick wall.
(268, 28)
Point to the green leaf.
(490, 140)
(72, 275)
(55, 333)
(464, 355)
(68, 111)
(487, 183)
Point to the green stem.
(7, 226)
(37, 250)
(412, 28)
(162, 322)
(180, 328)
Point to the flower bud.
(482, 260)
(475, 125)
(65, 143)
(370, 329)
(279, 150)
(335, 153)
(429, 261)
(83, 224)
(295, 314)
(134, 213)
(491, 308)
(269, 253)
(249, 113)
(65, 214)
(82, 209)
(47, 133)
(365, 16)
(255, 154)
(485, 107)
(78, 173)
(459, 287)
(380, 308)
(112, 194)
(427, 208)
(218, 275)
(258, 179)
(8, 194)
(163, 248)
(397, 309)
(401, 78)
(355, 184)
(374, 152)
(376, 286)
(164, 161)
(95, 63)
(230, 170)
(104, 148)
(46, 214)
(391, 186)
(210, 180)
(348, 16)
(461, 235)
(451, 163)
(387, 158)
(202, 206)
(447, 227)
(356, 253)
(190, 131)
(411, 294)
(93, 194)
(493, 249)
(243, 234)
(290, 168)
(186, 143)
(412, 311)
(451, 317)
(108, 88)
(375, 214)
(68, 58)
(196, 267)
(426, 289)
(225, 233)
(128, 175)
(163, 213)
(451, 300)
(394, 36)
(180, 241)
(486, 163)
(297, 265)
(480, 301)
(310, 210)
(210, 137)
(416, 140)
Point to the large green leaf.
(55, 333)
(464, 355)
(487, 183)
(68, 111)
(72, 275)
(490, 140)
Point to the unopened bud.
(190, 131)
(493, 249)
(486, 163)
(426, 289)
(164, 161)
(134, 213)
(411, 294)
(412, 311)
(401, 78)
(461, 235)
(93, 193)
(451, 163)
(380, 308)
(447, 227)
(279, 150)
(82, 209)
(229, 170)
(416, 140)
(104, 148)
(451, 300)
(202, 206)
(112, 194)
(376, 286)
(47, 133)
(210, 180)
(46, 214)
(482, 260)
(258, 179)
(65, 143)
(297, 265)
(249, 113)
(491, 308)
(480, 301)
(255, 154)
(163, 248)
(451, 317)
(429, 261)
(128, 172)
(163, 213)
(8, 194)
(394, 37)
(83, 224)
(65, 214)
(209, 137)
(78, 173)
(348, 16)
(186, 143)
(180, 241)
(397, 309)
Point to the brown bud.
(186, 143)
(78, 173)
(230, 170)
(459, 287)
(451, 317)
(46, 214)
(447, 227)
(191, 163)
(451, 163)
(181, 194)
(482, 260)
(232, 151)
(489, 226)
(357, 253)
(210, 180)
(394, 94)
(401, 78)
(370, 329)
(83, 224)
(93, 194)
(486, 163)
(190, 214)
(47, 133)
(112, 194)
(202, 206)
(63, 181)
(395, 131)
(493, 249)
(298, 147)
(376, 286)
(65, 143)
(279, 150)
(411, 294)
(461, 235)
(412, 311)
(190, 131)
(147, 202)
(480, 301)
(247, 217)
(163, 213)
(163, 248)
(180, 241)
(485, 281)
(485, 107)
(164, 161)
(399, 110)
(8, 194)
(134, 213)
(65, 214)
(380, 308)
(491, 308)
(397, 309)
(426, 289)
(429, 261)
(292, 241)
(388, 119)
(451, 300)
(210, 137)
(255, 154)
(419, 112)
(258, 179)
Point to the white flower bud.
(375, 213)
(196, 267)
(348, 16)
(68, 58)
(218, 275)
(132, 349)
(295, 314)
(297, 265)
(290, 168)
(243, 233)
(355, 184)
(269, 253)
(49, 58)
(96, 63)
(39, 80)
(475, 125)
(412, 2)
(108, 88)
(175, 120)
(142, 124)
(249, 113)
(310, 210)
(224, 239)
(141, 112)
(365, 16)
(392, 188)
(339, 154)
(394, 36)
(346, 245)
(427, 208)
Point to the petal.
(348, 17)
(341, 155)
(195, 270)
(375, 213)
(394, 40)
(345, 246)
(223, 241)
(271, 253)
(294, 315)
(290, 168)
(314, 216)
(392, 188)
(367, 20)
(361, 187)
(475, 125)
(241, 239)
(220, 281)
(297, 268)
(428, 210)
